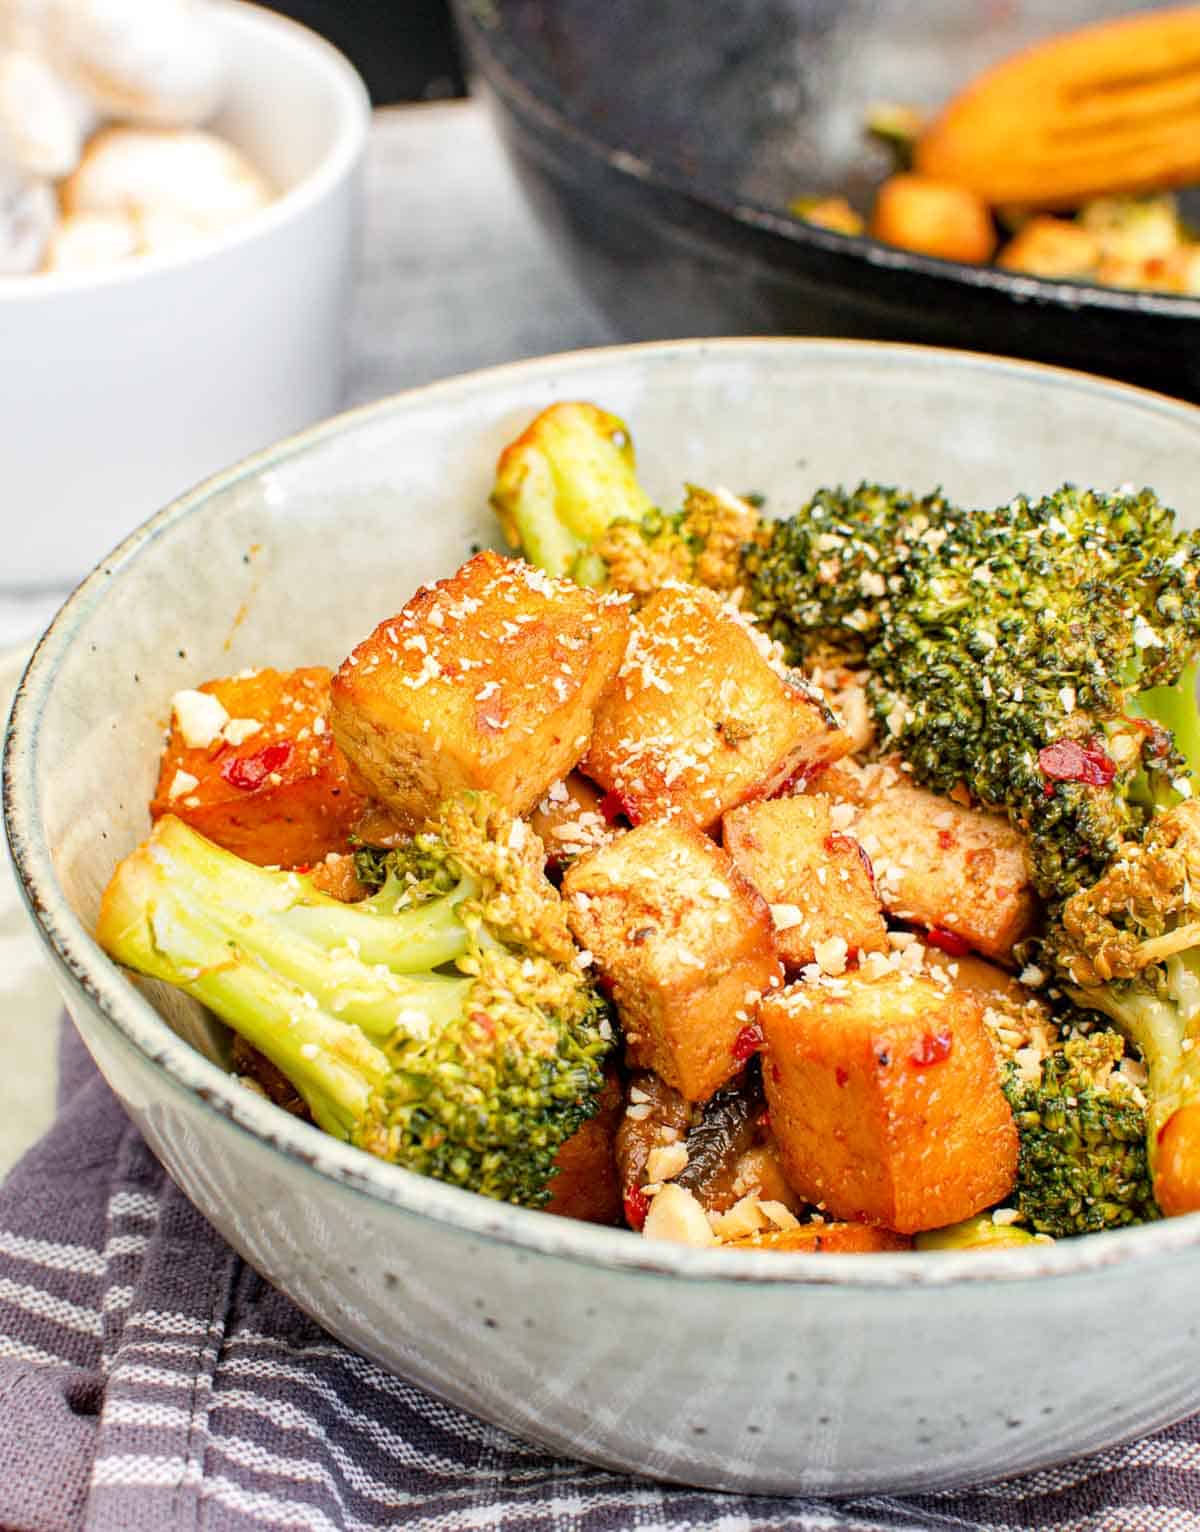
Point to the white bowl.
(742, 1370)
(121, 387)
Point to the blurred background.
(404, 51)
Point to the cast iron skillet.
(661, 141)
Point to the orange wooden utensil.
(1112, 108)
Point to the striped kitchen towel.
(150, 1381)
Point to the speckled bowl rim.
(323, 1159)
(342, 153)
(515, 78)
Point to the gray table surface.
(455, 275)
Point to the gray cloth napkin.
(152, 1382)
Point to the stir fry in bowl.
(816, 884)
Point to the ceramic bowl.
(663, 156)
(744, 1371)
(121, 387)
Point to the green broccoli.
(1082, 1133)
(978, 1233)
(895, 129)
(568, 497)
(442, 1023)
(818, 580)
(703, 543)
(561, 483)
(1129, 947)
(1043, 654)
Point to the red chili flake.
(303, 867)
(747, 1043)
(797, 781)
(251, 771)
(485, 1024)
(947, 941)
(637, 1205)
(946, 841)
(932, 1049)
(616, 806)
(1069, 761)
(764, 1120)
(841, 1075)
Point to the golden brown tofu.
(934, 217)
(686, 945)
(815, 879)
(700, 718)
(1052, 247)
(846, 692)
(823, 1238)
(947, 867)
(257, 770)
(486, 680)
(885, 1101)
(845, 781)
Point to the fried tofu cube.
(844, 781)
(701, 717)
(488, 679)
(885, 1101)
(948, 867)
(250, 763)
(686, 945)
(816, 880)
(846, 692)
(823, 1239)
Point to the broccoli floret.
(1134, 230)
(1129, 947)
(829, 213)
(561, 483)
(815, 581)
(1013, 656)
(704, 543)
(978, 1233)
(896, 129)
(1082, 1132)
(1039, 655)
(442, 1023)
(568, 497)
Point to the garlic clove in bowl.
(28, 217)
(41, 129)
(185, 175)
(84, 241)
(156, 62)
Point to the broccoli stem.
(561, 483)
(209, 910)
(476, 1076)
(1174, 708)
(332, 1063)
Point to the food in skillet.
(1059, 162)
(822, 884)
